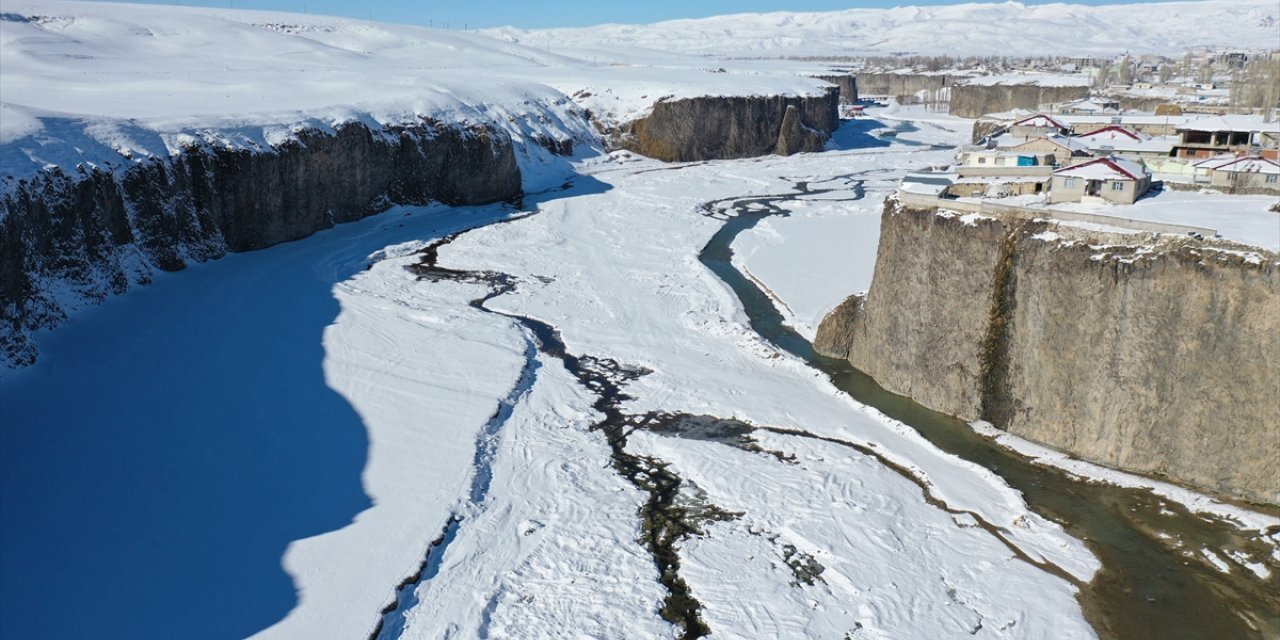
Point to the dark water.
(1148, 587)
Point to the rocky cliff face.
(712, 128)
(71, 237)
(898, 84)
(1146, 353)
(848, 85)
(974, 100)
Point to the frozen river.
(594, 418)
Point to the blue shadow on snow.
(171, 443)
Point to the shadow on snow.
(171, 443)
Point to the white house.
(1112, 178)
(1251, 172)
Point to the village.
(1132, 130)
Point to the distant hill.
(1009, 28)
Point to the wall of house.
(1060, 192)
(1155, 354)
(1244, 180)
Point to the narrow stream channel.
(1153, 584)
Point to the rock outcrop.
(974, 100)
(848, 84)
(73, 236)
(722, 127)
(1154, 354)
(901, 84)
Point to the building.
(1238, 134)
(1251, 173)
(1036, 126)
(1055, 151)
(1112, 179)
(1092, 105)
(1126, 143)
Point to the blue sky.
(472, 14)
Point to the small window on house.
(982, 160)
(1070, 183)
(1117, 186)
(1273, 178)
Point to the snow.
(229, 416)
(271, 443)
(976, 29)
(1244, 219)
(1109, 168)
(1250, 165)
(165, 78)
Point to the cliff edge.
(1154, 354)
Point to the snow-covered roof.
(1111, 132)
(1250, 164)
(1237, 123)
(1065, 142)
(1162, 144)
(1216, 161)
(927, 183)
(1109, 168)
(1038, 120)
(1127, 119)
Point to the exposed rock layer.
(1156, 360)
(848, 84)
(974, 100)
(899, 84)
(90, 233)
(713, 128)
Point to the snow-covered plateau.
(549, 418)
(969, 29)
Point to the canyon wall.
(898, 84)
(975, 100)
(73, 236)
(848, 84)
(1154, 354)
(722, 127)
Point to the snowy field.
(166, 78)
(970, 29)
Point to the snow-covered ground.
(1006, 28)
(1244, 219)
(213, 377)
(274, 442)
(167, 77)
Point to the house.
(1092, 105)
(1215, 135)
(1054, 150)
(1253, 173)
(1035, 126)
(1112, 179)
(927, 183)
(1162, 125)
(1126, 143)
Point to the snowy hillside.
(1010, 28)
(87, 82)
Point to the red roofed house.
(1113, 179)
(1253, 173)
(1038, 125)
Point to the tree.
(1126, 71)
